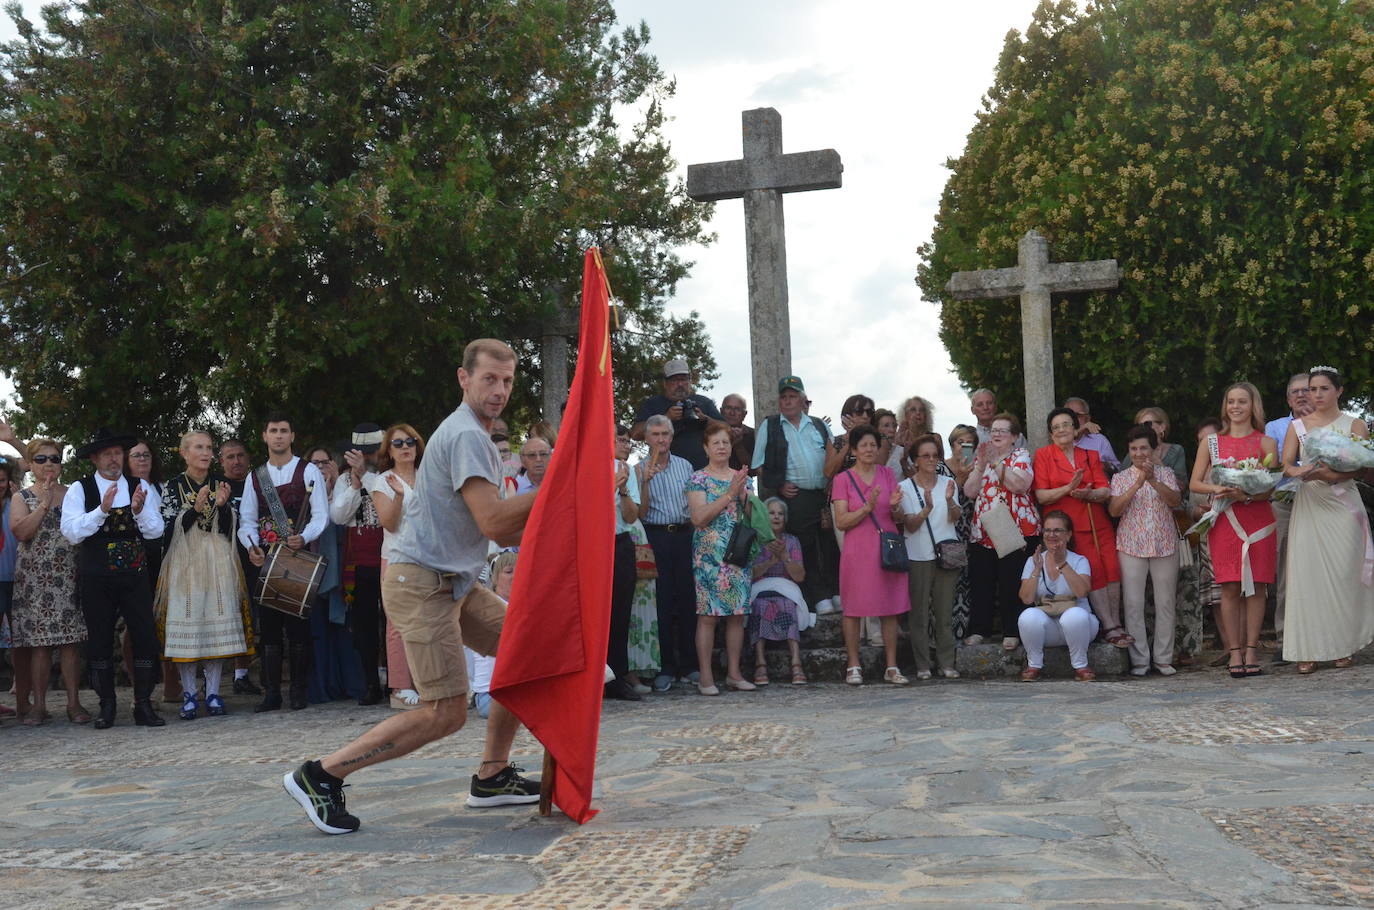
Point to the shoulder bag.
(739, 551)
(1054, 604)
(1000, 527)
(949, 554)
(892, 555)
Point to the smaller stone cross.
(760, 178)
(1034, 279)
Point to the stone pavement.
(1195, 791)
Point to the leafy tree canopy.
(213, 209)
(1220, 151)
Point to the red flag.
(550, 666)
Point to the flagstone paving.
(1194, 791)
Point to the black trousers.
(275, 626)
(822, 567)
(365, 620)
(994, 586)
(677, 599)
(104, 599)
(622, 599)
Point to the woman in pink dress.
(866, 499)
(1242, 542)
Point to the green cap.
(791, 382)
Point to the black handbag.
(891, 547)
(739, 550)
(949, 554)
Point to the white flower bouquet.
(1338, 451)
(1251, 476)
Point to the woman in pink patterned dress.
(1242, 543)
(1144, 496)
(867, 500)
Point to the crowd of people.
(973, 536)
(964, 536)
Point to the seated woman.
(499, 575)
(1054, 586)
(775, 597)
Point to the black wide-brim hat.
(105, 438)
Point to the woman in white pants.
(1055, 585)
(1143, 497)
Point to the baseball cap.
(676, 367)
(791, 382)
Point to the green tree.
(211, 209)
(1221, 152)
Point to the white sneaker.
(1165, 669)
(1139, 671)
(950, 674)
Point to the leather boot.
(103, 682)
(147, 674)
(271, 679)
(300, 676)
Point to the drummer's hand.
(255, 555)
(295, 542)
(222, 495)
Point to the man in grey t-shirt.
(433, 600)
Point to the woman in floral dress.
(715, 498)
(45, 614)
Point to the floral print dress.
(45, 612)
(722, 588)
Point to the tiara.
(1324, 369)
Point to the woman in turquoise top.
(715, 497)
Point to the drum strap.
(273, 501)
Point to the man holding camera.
(687, 410)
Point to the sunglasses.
(409, 442)
(47, 459)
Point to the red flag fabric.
(550, 665)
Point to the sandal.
(1253, 669)
(854, 676)
(1237, 671)
(798, 677)
(33, 719)
(761, 675)
(894, 676)
(1117, 637)
(1343, 663)
(190, 702)
(78, 715)
(1306, 667)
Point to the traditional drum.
(290, 579)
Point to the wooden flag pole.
(546, 785)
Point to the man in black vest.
(107, 517)
(789, 453)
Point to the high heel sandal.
(1237, 671)
(1253, 669)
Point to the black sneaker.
(322, 800)
(245, 686)
(505, 788)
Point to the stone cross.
(1034, 279)
(553, 360)
(760, 178)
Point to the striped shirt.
(668, 493)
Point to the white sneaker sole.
(504, 799)
(288, 783)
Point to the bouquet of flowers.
(1252, 476)
(1338, 451)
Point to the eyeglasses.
(409, 442)
(1000, 431)
(140, 456)
(321, 462)
(47, 459)
(536, 455)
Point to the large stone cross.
(760, 178)
(1035, 278)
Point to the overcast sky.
(893, 86)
